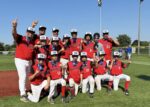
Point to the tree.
(124, 40)
(142, 43)
(1, 46)
(7, 47)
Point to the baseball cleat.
(64, 100)
(24, 98)
(91, 95)
(109, 90)
(50, 100)
(126, 92)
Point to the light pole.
(100, 11)
(139, 26)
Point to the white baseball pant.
(72, 83)
(85, 82)
(64, 63)
(23, 68)
(98, 79)
(36, 91)
(116, 80)
(53, 84)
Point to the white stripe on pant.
(23, 68)
(36, 91)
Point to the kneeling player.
(116, 68)
(86, 72)
(74, 73)
(55, 73)
(100, 69)
(37, 78)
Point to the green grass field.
(7, 62)
(139, 90)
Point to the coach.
(23, 56)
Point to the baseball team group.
(64, 66)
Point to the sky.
(118, 16)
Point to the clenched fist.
(14, 23)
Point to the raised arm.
(34, 23)
(14, 29)
(116, 42)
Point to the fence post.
(149, 48)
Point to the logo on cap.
(41, 56)
(75, 53)
(83, 53)
(42, 37)
(54, 53)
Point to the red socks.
(127, 85)
(110, 84)
(63, 90)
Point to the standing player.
(56, 77)
(55, 46)
(38, 77)
(116, 68)
(74, 73)
(108, 43)
(76, 43)
(23, 56)
(97, 45)
(86, 72)
(65, 55)
(88, 46)
(42, 47)
(100, 71)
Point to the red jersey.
(76, 44)
(101, 68)
(43, 49)
(24, 48)
(107, 45)
(89, 48)
(86, 69)
(74, 71)
(66, 53)
(41, 76)
(117, 68)
(55, 70)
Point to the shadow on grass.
(144, 77)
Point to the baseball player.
(42, 31)
(108, 42)
(74, 73)
(65, 54)
(56, 77)
(86, 74)
(42, 47)
(100, 71)
(55, 46)
(88, 46)
(55, 33)
(116, 68)
(76, 43)
(23, 56)
(98, 46)
(38, 77)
